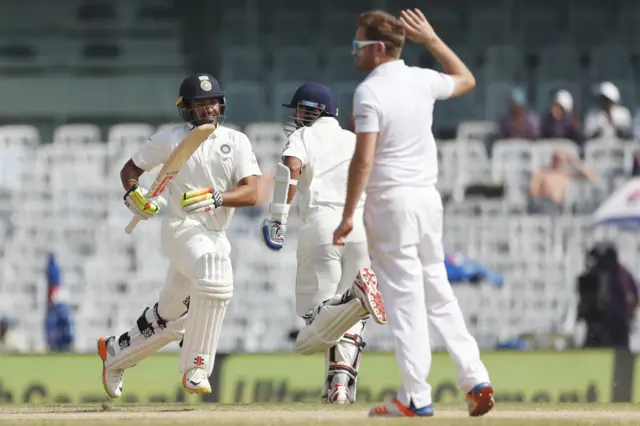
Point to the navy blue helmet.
(197, 87)
(311, 101)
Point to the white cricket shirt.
(325, 150)
(225, 158)
(397, 101)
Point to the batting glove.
(201, 200)
(136, 200)
(273, 234)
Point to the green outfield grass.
(313, 414)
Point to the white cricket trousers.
(183, 247)
(404, 230)
(326, 270)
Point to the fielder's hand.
(273, 234)
(342, 231)
(139, 204)
(201, 200)
(416, 26)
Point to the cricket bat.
(174, 163)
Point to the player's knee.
(213, 278)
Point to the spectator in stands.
(610, 119)
(519, 123)
(561, 121)
(548, 187)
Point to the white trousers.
(326, 270)
(404, 230)
(184, 247)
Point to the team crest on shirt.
(225, 149)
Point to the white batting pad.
(212, 289)
(343, 362)
(150, 334)
(328, 326)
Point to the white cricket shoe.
(196, 381)
(365, 288)
(338, 394)
(112, 378)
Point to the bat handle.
(132, 224)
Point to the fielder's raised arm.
(418, 29)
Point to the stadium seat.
(512, 164)
(245, 100)
(268, 141)
(242, 63)
(76, 134)
(559, 62)
(340, 65)
(543, 150)
(476, 130)
(504, 62)
(295, 63)
(19, 134)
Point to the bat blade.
(174, 164)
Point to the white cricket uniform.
(224, 159)
(403, 220)
(325, 150)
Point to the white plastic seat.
(76, 134)
(543, 150)
(127, 137)
(19, 134)
(511, 156)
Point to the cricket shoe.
(395, 409)
(480, 400)
(112, 378)
(338, 394)
(196, 381)
(365, 288)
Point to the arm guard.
(279, 208)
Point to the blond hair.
(382, 26)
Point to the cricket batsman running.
(219, 176)
(396, 159)
(315, 163)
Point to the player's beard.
(364, 64)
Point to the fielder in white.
(396, 159)
(335, 288)
(220, 175)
